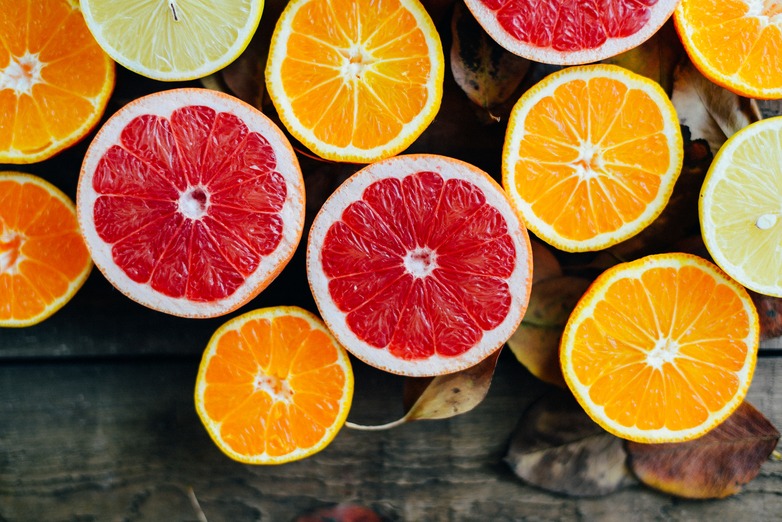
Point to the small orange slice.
(43, 259)
(661, 349)
(273, 386)
(355, 80)
(591, 156)
(55, 80)
(735, 43)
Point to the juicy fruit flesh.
(274, 386)
(419, 265)
(570, 26)
(663, 351)
(604, 160)
(355, 75)
(190, 203)
(41, 250)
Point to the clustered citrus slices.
(419, 265)
(191, 201)
(569, 33)
(176, 39)
(740, 211)
(55, 81)
(43, 259)
(661, 349)
(355, 81)
(591, 156)
(273, 386)
(734, 43)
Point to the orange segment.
(355, 81)
(734, 43)
(273, 386)
(55, 80)
(43, 258)
(591, 155)
(661, 349)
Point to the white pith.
(163, 104)
(400, 167)
(22, 73)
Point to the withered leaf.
(444, 396)
(713, 466)
(535, 343)
(557, 447)
(544, 263)
(710, 112)
(487, 73)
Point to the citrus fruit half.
(740, 211)
(43, 259)
(273, 386)
(419, 265)
(55, 80)
(355, 81)
(569, 33)
(176, 39)
(734, 43)
(661, 349)
(191, 201)
(591, 156)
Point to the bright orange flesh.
(43, 259)
(735, 43)
(591, 156)
(661, 349)
(55, 80)
(273, 386)
(355, 81)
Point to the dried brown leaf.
(713, 466)
(557, 447)
(535, 343)
(544, 263)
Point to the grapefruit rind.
(516, 132)
(736, 194)
(634, 270)
(352, 154)
(519, 282)
(162, 10)
(162, 104)
(660, 13)
(213, 427)
(75, 284)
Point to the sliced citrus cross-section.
(661, 349)
(173, 40)
(273, 386)
(740, 210)
(735, 43)
(354, 80)
(569, 33)
(591, 156)
(55, 80)
(419, 265)
(191, 201)
(43, 259)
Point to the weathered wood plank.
(121, 441)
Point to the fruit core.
(21, 73)
(277, 388)
(664, 351)
(768, 8)
(589, 161)
(356, 61)
(10, 251)
(194, 202)
(570, 26)
(420, 262)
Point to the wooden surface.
(97, 423)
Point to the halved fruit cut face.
(569, 33)
(191, 201)
(419, 265)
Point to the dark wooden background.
(97, 419)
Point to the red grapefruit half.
(419, 265)
(565, 32)
(190, 201)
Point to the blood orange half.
(190, 201)
(419, 265)
(568, 33)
